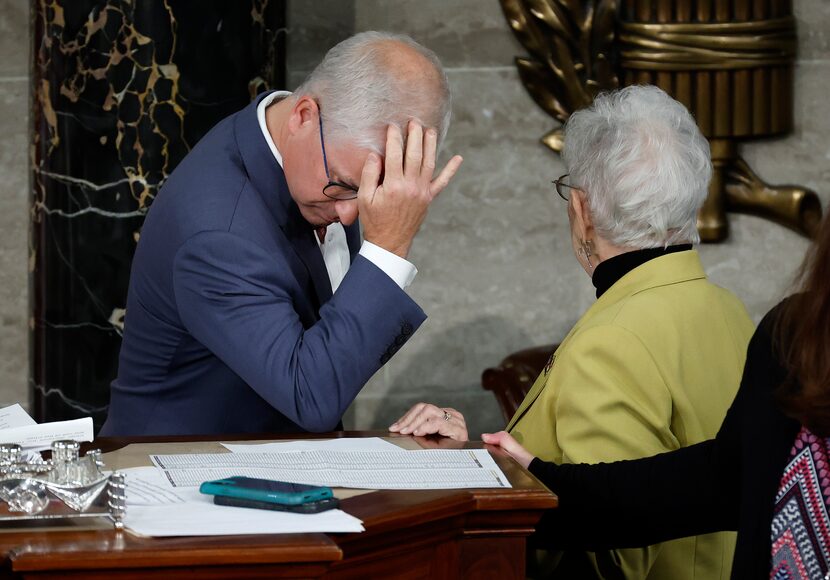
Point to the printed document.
(340, 444)
(425, 469)
(16, 426)
(155, 508)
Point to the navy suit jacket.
(231, 324)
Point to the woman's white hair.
(361, 88)
(643, 164)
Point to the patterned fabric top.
(800, 523)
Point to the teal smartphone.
(266, 490)
(310, 507)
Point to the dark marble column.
(121, 90)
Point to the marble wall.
(496, 272)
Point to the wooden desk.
(409, 534)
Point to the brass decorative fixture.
(730, 62)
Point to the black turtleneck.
(609, 271)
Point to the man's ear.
(582, 215)
(304, 115)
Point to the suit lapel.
(529, 399)
(301, 236)
(309, 251)
(268, 179)
(542, 380)
(353, 239)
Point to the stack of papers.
(425, 469)
(343, 444)
(165, 501)
(155, 508)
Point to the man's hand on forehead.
(396, 191)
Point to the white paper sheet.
(16, 426)
(148, 486)
(426, 469)
(208, 519)
(154, 508)
(39, 437)
(342, 444)
(14, 416)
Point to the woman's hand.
(506, 441)
(425, 419)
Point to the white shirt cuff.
(401, 271)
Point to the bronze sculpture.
(729, 61)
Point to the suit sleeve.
(238, 301)
(613, 404)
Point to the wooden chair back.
(512, 379)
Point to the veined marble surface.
(121, 92)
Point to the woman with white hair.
(763, 475)
(653, 365)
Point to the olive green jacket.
(652, 366)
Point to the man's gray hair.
(643, 164)
(361, 89)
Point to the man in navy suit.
(253, 306)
